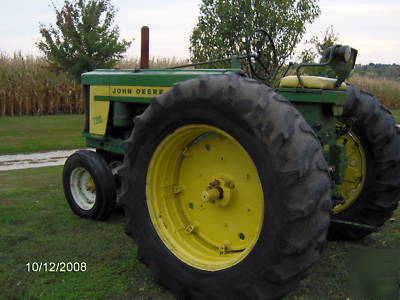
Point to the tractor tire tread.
(303, 172)
(378, 129)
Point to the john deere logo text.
(139, 91)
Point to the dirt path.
(34, 160)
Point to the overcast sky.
(371, 26)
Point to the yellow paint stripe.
(98, 111)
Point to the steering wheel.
(261, 54)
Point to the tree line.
(389, 71)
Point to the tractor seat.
(312, 82)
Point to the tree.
(84, 37)
(317, 46)
(223, 25)
(316, 52)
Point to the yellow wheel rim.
(355, 172)
(204, 197)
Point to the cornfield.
(386, 90)
(28, 86)
(154, 63)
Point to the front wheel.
(114, 162)
(225, 190)
(89, 185)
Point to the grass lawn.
(36, 134)
(36, 225)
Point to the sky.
(371, 26)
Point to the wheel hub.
(90, 186)
(83, 188)
(218, 192)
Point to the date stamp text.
(60, 266)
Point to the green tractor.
(230, 188)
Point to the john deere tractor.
(230, 188)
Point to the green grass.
(44, 133)
(36, 225)
(396, 114)
(40, 133)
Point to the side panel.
(99, 110)
(114, 97)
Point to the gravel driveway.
(34, 160)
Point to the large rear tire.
(371, 189)
(225, 190)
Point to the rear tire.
(288, 162)
(89, 185)
(379, 139)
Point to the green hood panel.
(150, 77)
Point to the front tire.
(89, 185)
(114, 162)
(208, 158)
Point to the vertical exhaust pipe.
(144, 53)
